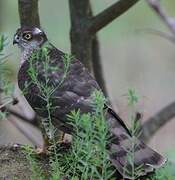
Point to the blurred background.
(132, 58)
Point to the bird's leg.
(64, 141)
(61, 139)
(46, 144)
(64, 138)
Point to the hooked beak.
(15, 40)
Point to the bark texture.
(28, 12)
(81, 40)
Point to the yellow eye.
(27, 36)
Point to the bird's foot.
(65, 139)
(42, 151)
(63, 144)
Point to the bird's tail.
(130, 156)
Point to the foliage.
(34, 166)
(167, 172)
(135, 134)
(6, 88)
(88, 157)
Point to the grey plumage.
(73, 94)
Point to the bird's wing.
(72, 87)
(75, 93)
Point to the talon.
(65, 139)
(41, 151)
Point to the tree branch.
(109, 14)
(23, 118)
(11, 112)
(17, 124)
(153, 124)
(14, 101)
(169, 21)
(28, 12)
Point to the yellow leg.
(66, 138)
(44, 148)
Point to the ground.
(15, 166)
(13, 163)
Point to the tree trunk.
(81, 47)
(81, 41)
(85, 46)
(28, 11)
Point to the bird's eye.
(27, 36)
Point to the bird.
(72, 91)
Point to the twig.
(5, 107)
(169, 21)
(169, 37)
(12, 101)
(6, 103)
(153, 124)
(109, 14)
(24, 118)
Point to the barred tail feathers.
(145, 159)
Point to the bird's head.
(29, 38)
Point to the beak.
(15, 40)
